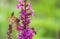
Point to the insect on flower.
(14, 21)
(24, 31)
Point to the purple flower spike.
(24, 31)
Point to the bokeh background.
(46, 18)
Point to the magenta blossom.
(24, 31)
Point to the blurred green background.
(46, 18)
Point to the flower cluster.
(24, 31)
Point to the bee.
(13, 23)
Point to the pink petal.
(19, 6)
(19, 0)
